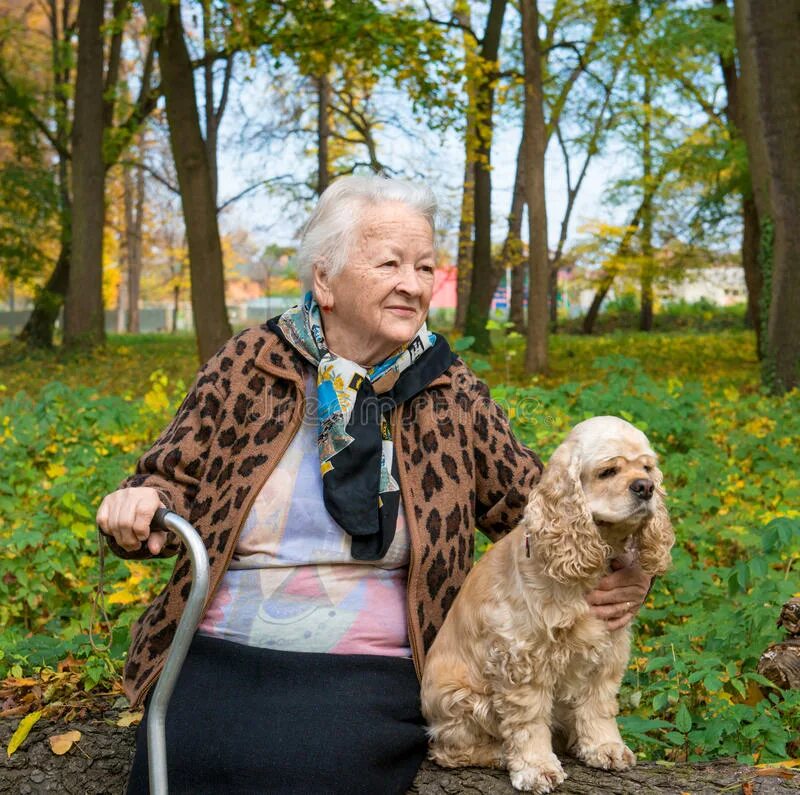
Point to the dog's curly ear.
(656, 537)
(561, 527)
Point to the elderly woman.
(336, 461)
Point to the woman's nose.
(409, 283)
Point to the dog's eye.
(648, 468)
(607, 473)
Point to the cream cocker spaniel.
(519, 654)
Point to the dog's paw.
(608, 756)
(538, 776)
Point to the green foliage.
(61, 452)
(727, 450)
(29, 216)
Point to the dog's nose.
(643, 488)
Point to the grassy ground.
(124, 366)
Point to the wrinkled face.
(381, 297)
(619, 483)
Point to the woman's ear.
(561, 527)
(656, 537)
(321, 286)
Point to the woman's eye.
(607, 473)
(389, 263)
(426, 268)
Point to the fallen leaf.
(22, 731)
(784, 763)
(13, 681)
(128, 718)
(747, 788)
(778, 772)
(61, 743)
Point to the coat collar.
(279, 358)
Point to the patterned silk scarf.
(356, 453)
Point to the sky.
(413, 151)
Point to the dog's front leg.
(596, 737)
(525, 714)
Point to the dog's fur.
(519, 654)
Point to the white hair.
(330, 233)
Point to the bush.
(622, 313)
(61, 452)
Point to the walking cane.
(193, 612)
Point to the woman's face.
(381, 297)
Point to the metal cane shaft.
(193, 612)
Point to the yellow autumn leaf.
(156, 399)
(138, 572)
(25, 725)
(128, 718)
(122, 598)
(784, 763)
(55, 470)
(61, 743)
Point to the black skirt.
(250, 720)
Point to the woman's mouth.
(403, 311)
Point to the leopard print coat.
(459, 465)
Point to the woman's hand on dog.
(126, 515)
(619, 595)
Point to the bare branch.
(223, 100)
(283, 178)
(153, 173)
(454, 22)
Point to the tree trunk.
(599, 296)
(194, 179)
(512, 256)
(516, 309)
(122, 300)
(536, 144)
(176, 300)
(134, 195)
(213, 112)
(552, 297)
(464, 255)
(646, 237)
(646, 308)
(84, 324)
(769, 35)
(749, 119)
(480, 299)
(734, 111)
(38, 329)
(751, 236)
(99, 762)
(323, 132)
